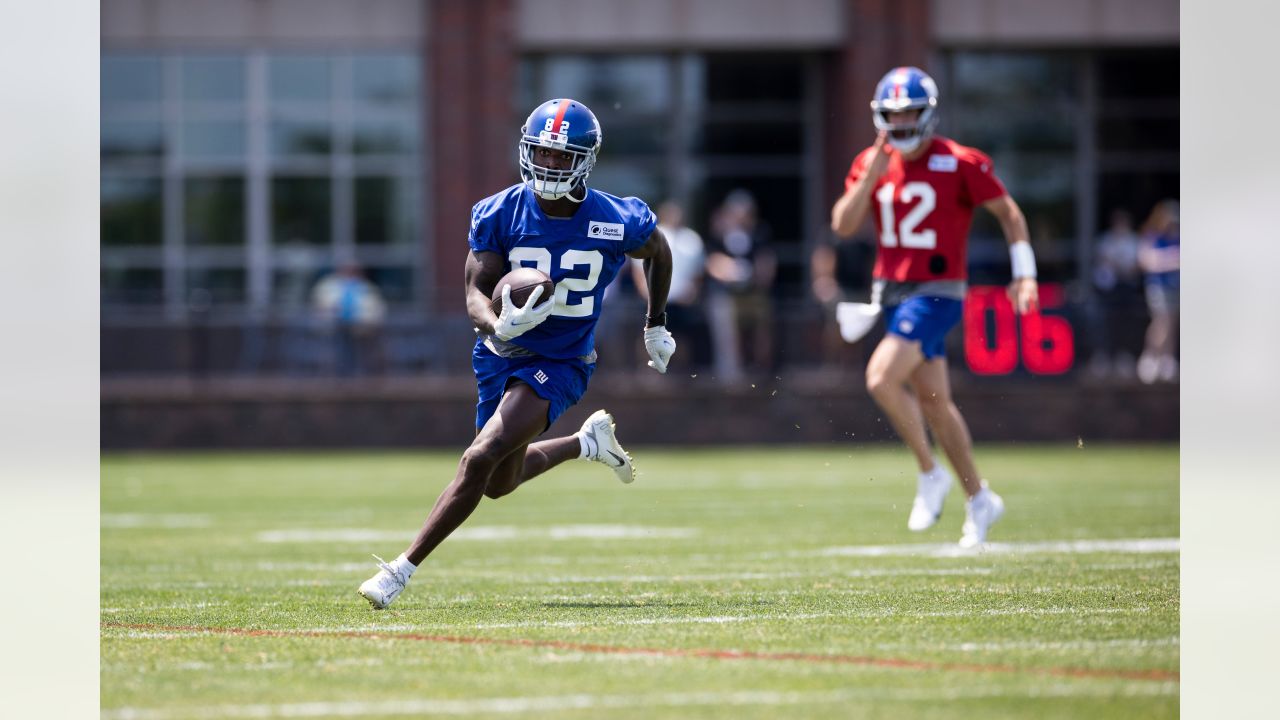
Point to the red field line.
(1150, 674)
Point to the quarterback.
(921, 190)
(533, 361)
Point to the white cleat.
(381, 589)
(603, 447)
(931, 490)
(980, 513)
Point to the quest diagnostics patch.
(605, 231)
(942, 163)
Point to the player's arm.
(1023, 290)
(656, 254)
(852, 207)
(483, 271)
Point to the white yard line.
(697, 620)
(1072, 547)
(884, 612)
(678, 577)
(1052, 645)
(157, 634)
(144, 520)
(877, 613)
(278, 566)
(172, 606)
(481, 533)
(558, 703)
(852, 614)
(700, 577)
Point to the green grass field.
(724, 583)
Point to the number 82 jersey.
(582, 255)
(923, 209)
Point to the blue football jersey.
(582, 254)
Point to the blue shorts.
(559, 382)
(925, 319)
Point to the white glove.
(856, 319)
(515, 321)
(660, 344)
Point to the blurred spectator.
(839, 272)
(741, 268)
(685, 318)
(352, 308)
(615, 334)
(1117, 282)
(1160, 258)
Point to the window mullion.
(344, 246)
(258, 248)
(174, 249)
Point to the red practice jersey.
(923, 208)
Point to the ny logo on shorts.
(540, 376)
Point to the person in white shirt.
(685, 318)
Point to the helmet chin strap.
(550, 195)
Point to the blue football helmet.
(568, 126)
(906, 88)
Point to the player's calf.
(502, 484)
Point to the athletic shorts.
(926, 320)
(559, 382)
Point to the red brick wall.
(881, 35)
(471, 62)
(440, 412)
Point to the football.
(522, 281)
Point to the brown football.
(522, 281)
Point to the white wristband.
(1022, 259)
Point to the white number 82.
(541, 259)
(564, 125)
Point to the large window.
(1024, 110)
(1137, 131)
(696, 126)
(1074, 135)
(235, 179)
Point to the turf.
(723, 583)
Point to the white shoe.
(980, 513)
(931, 490)
(381, 589)
(603, 447)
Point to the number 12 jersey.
(923, 209)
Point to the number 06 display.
(992, 342)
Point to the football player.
(921, 190)
(532, 362)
